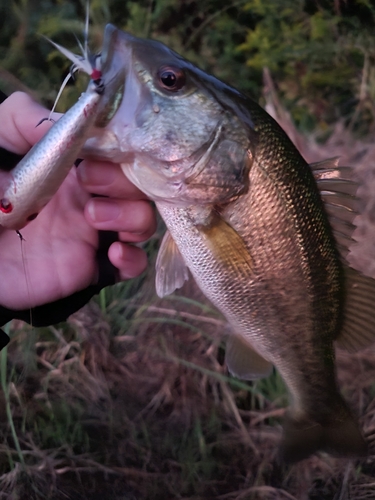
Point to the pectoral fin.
(226, 245)
(171, 270)
(243, 361)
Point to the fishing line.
(27, 276)
(63, 85)
(29, 349)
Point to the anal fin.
(243, 361)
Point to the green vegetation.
(320, 53)
(130, 399)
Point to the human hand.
(58, 256)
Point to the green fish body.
(248, 217)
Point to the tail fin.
(340, 436)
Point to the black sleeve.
(59, 310)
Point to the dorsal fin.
(339, 194)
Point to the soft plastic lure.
(37, 177)
(32, 183)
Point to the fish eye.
(171, 78)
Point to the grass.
(138, 405)
(145, 400)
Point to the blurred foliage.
(321, 53)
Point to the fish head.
(172, 127)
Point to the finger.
(106, 178)
(130, 261)
(21, 115)
(137, 217)
(128, 237)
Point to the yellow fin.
(243, 361)
(358, 328)
(171, 270)
(227, 245)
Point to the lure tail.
(87, 62)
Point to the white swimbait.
(37, 177)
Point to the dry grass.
(147, 411)
(131, 401)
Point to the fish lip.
(113, 51)
(110, 38)
(115, 61)
(104, 143)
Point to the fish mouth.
(121, 106)
(126, 97)
(104, 143)
(114, 58)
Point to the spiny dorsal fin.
(329, 165)
(243, 361)
(358, 328)
(338, 191)
(171, 270)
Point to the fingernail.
(95, 175)
(102, 210)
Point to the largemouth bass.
(259, 229)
